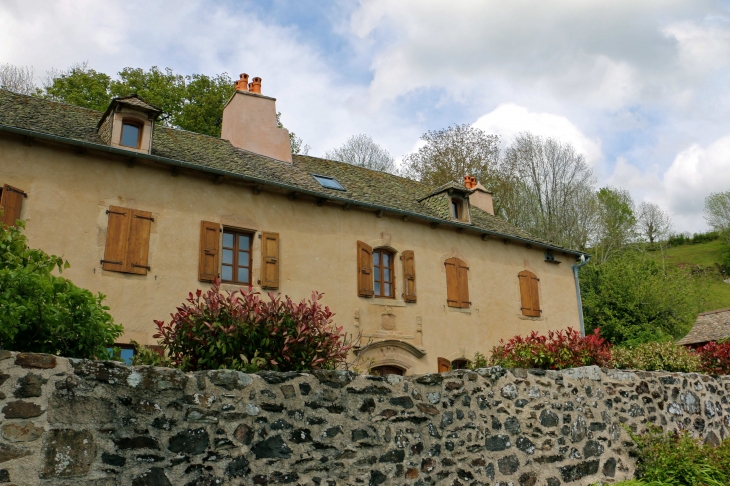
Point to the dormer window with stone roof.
(451, 200)
(128, 124)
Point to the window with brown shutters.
(409, 276)
(236, 258)
(270, 260)
(209, 258)
(127, 240)
(529, 295)
(383, 274)
(444, 365)
(364, 269)
(457, 283)
(11, 202)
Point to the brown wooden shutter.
(452, 282)
(444, 365)
(530, 300)
(11, 203)
(464, 301)
(139, 242)
(117, 238)
(364, 269)
(208, 260)
(409, 276)
(270, 260)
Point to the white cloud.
(701, 47)
(509, 120)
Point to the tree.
(452, 153)
(361, 150)
(44, 313)
(615, 225)
(653, 222)
(18, 79)
(717, 211)
(79, 86)
(545, 187)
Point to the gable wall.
(68, 196)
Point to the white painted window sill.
(388, 302)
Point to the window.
(11, 202)
(529, 295)
(386, 370)
(236, 257)
(460, 364)
(127, 240)
(131, 134)
(328, 182)
(383, 276)
(126, 352)
(456, 209)
(457, 283)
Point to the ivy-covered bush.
(715, 358)
(44, 313)
(238, 330)
(657, 357)
(556, 351)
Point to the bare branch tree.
(19, 79)
(654, 223)
(547, 189)
(452, 153)
(361, 150)
(717, 210)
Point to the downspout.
(584, 259)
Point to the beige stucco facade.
(65, 213)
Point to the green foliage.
(635, 299)
(45, 313)
(149, 356)
(479, 361)
(616, 222)
(717, 210)
(653, 356)
(80, 86)
(696, 239)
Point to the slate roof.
(709, 326)
(451, 185)
(364, 187)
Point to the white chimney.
(249, 122)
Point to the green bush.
(44, 313)
(665, 356)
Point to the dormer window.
(131, 134)
(456, 210)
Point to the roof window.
(131, 134)
(328, 182)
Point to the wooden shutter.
(409, 276)
(208, 260)
(463, 285)
(117, 237)
(139, 242)
(529, 295)
(11, 203)
(364, 269)
(452, 282)
(444, 365)
(270, 260)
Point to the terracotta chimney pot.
(242, 83)
(470, 182)
(255, 86)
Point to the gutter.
(577, 293)
(279, 185)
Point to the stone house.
(146, 213)
(709, 326)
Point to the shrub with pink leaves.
(239, 330)
(556, 351)
(715, 357)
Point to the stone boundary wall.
(75, 422)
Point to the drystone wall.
(75, 422)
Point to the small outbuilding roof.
(709, 326)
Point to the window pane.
(376, 273)
(243, 274)
(386, 260)
(376, 258)
(227, 273)
(228, 257)
(387, 290)
(377, 288)
(386, 274)
(127, 355)
(228, 240)
(242, 258)
(243, 242)
(130, 135)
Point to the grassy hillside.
(702, 259)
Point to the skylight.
(328, 182)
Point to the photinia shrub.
(715, 358)
(238, 330)
(556, 351)
(665, 356)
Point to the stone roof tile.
(709, 326)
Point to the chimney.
(249, 122)
(479, 197)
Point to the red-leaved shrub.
(715, 358)
(238, 330)
(556, 351)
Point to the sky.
(640, 88)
